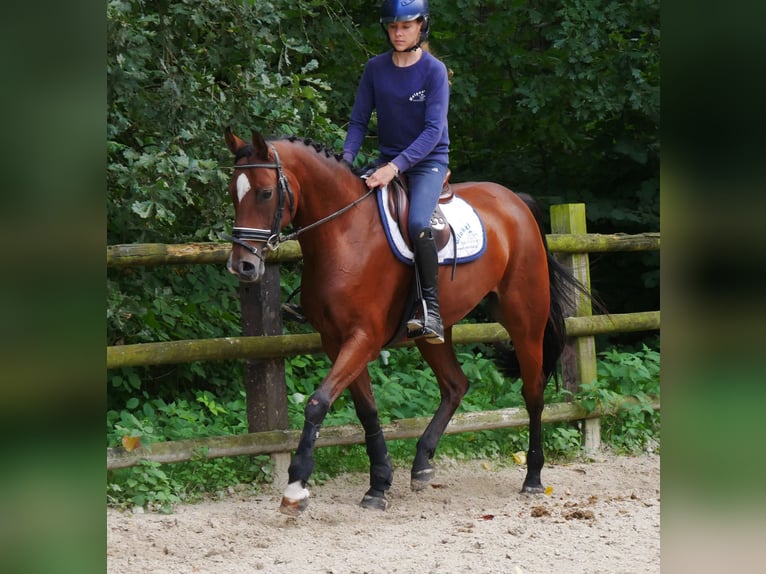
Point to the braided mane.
(320, 148)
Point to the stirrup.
(416, 324)
(433, 336)
(415, 330)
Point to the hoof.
(292, 507)
(421, 478)
(539, 489)
(295, 499)
(374, 502)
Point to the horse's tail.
(563, 285)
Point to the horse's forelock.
(244, 152)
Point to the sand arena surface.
(603, 516)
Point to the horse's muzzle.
(246, 269)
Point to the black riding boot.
(427, 279)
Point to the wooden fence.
(265, 349)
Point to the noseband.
(271, 236)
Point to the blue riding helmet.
(406, 11)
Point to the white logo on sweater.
(419, 96)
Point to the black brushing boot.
(427, 280)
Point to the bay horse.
(354, 292)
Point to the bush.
(621, 374)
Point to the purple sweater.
(411, 104)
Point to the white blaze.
(243, 186)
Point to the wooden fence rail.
(286, 440)
(264, 351)
(131, 255)
(280, 346)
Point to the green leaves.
(157, 486)
(177, 74)
(622, 374)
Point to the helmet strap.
(410, 49)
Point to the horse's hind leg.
(532, 390)
(527, 337)
(453, 385)
(381, 470)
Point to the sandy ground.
(602, 516)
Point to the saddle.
(399, 205)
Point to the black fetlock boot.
(427, 271)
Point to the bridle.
(272, 237)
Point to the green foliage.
(147, 485)
(569, 93)
(170, 304)
(622, 374)
(154, 420)
(177, 74)
(404, 388)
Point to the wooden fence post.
(264, 379)
(579, 357)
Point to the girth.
(399, 205)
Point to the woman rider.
(408, 87)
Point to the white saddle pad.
(467, 241)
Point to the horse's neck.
(325, 188)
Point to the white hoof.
(295, 499)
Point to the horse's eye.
(265, 194)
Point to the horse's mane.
(319, 148)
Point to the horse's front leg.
(349, 364)
(296, 495)
(381, 469)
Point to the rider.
(409, 89)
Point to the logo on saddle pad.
(467, 240)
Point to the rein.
(330, 217)
(273, 237)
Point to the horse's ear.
(259, 146)
(233, 142)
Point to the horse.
(355, 293)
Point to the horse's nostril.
(246, 268)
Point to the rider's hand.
(382, 176)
